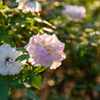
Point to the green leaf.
(4, 80)
(2, 6)
(31, 94)
(11, 32)
(17, 84)
(17, 32)
(24, 77)
(26, 69)
(70, 99)
(22, 49)
(97, 88)
(25, 97)
(8, 40)
(22, 57)
(39, 69)
(54, 91)
(4, 92)
(89, 53)
(14, 4)
(80, 86)
(2, 35)
(35, 80)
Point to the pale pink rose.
(45, 50)
(74, 11)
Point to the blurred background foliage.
(78, 78)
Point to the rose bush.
(39, 32)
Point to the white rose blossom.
(8, 65)
(29, 5)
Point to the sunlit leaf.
(35, 80)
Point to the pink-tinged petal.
(55, 39)
(55, 65)
(59, 47)
(48, 40)
(41, 41)
(36, 51)
(62, 45)
(31, 50)
(45, 35)
(37, 61)
(46, 57)
(74, 11)
(42, 52)
(63, 56)
(54, 56)
(28, 45)
(48, 63)
(39, 48)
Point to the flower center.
(8, 61)
(48, 48)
